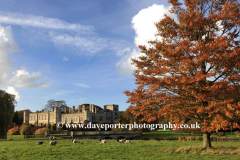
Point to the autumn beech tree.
(192, 73)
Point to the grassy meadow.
(137, 149)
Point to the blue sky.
(76, 51)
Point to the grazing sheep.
(74, 141)
(54, 137)
(50, 138)
(127, 141)
(102, 141)
(39, 143)
(120, 141)
(51, 143)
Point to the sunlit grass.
(137, 149)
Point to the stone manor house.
(89, 112)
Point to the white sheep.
(39, 143)
(127, 141)
(51, 143)
(74, 141)
(54, 137)
(120, 141)
(102, 141)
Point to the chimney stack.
(73, 109)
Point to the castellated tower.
(26, 116)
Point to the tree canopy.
(194, 70)
(53, 104)
(17, 118)
(7, 106)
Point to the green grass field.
(15, 137)
(138, 149)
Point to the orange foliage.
(13, 131)
(41, 130)
(194, 71)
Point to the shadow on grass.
(168, 134)
(215, 150)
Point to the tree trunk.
(206, 140)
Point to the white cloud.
(82, 41)
(39, 22)
(11, 90)
(24, 79)
(65, 59)
(121, 52)
(63, 92)
(219, 25)
(124, 66)
(143, 23)
(7, 47)
(82, 85)
(91, 44)
(20, 78)
(45, 69)
(145, 29)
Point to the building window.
(101, 118)
(69, 120)
(31, 118)
(42, 117)
(88, 118)
(81, 118)
(115, 109)
(57, 116)
(53, 117)
(73, 119)
(45, 117)
(34, 118)
(49, 116)
(93, 118)
(116, 114)
(39, 117)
